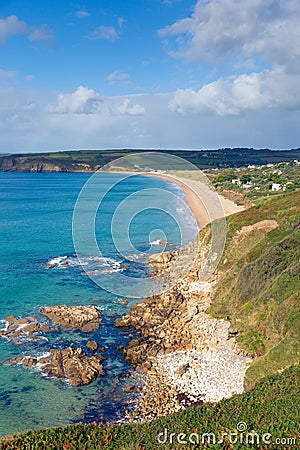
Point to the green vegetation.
(255, 182)
(271, 407)
(91, 160)
(259, 288)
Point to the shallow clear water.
(36, 213)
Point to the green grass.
(259, 288)
(271, 407)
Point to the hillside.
(259, 286)
(91, 160)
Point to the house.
(247, 185)
(276, 187)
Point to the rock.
(146, 366)
(67, 365)
(129, 388)
(22, 329)
(182, 369)
(92, 345)
(123, 302)
(86, 318)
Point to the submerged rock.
(86, 318)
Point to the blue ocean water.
(36, 212)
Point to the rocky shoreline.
(182, 356)
(73, 365)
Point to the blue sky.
(149, 74)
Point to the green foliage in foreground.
(271, 407)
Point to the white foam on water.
(6, 325)
(90, 262)
(157, 242)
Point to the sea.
(44, 220)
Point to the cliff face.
(31, 164)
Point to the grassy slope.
(259, 290)
(271, 407)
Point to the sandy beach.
(205, 204)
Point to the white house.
(276, 187)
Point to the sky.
(159, 74)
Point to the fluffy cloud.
(263, 35)
(12, 25)
(233, 95)
(82, 101)
(127, 107)
(222, 29)
(85, 101)
(104, 32)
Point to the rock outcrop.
(28, 328)
(86, 318)
(66, 365)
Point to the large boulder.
(86, 318)
(69, 364)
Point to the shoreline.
(196, 193)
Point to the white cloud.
(222, 29)
(236, 94)
(85, 101)
(82, 101)
(261, 36)
(42, 33)
(28, 124)
(118, 77)
(12, 25)
(6, 75)
(104, 32)
(128, 108)
(82, 14)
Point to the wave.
(93, 265)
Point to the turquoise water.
(36, 212)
